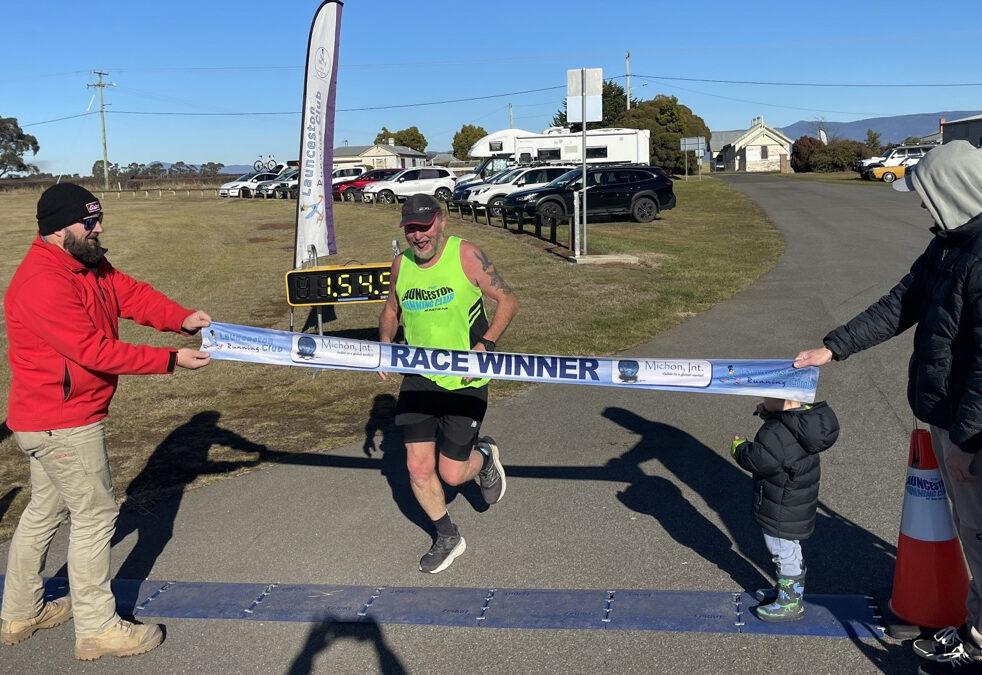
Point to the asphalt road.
(607, 488)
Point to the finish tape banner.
(747, 377)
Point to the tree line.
(135, 170)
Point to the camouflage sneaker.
(766, 596)
(52, 614)
(492, 478)
(789, 604)
(123, 639)
(443, 552)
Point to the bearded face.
(86, 250)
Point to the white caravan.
(557, 144)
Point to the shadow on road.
(182, 455)
(326, 632)
(841, 556)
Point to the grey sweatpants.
(965, 499)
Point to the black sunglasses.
(90, 222)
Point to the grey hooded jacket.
(941, 296)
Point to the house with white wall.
(388, 156)
(760, 148)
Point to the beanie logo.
(92, 207)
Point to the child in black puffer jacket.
(783, 458)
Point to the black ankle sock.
(445, 526)
(486, 457)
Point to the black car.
(640, 192)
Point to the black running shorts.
(450, 418)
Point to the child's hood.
(815, 427)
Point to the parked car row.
(349, 190)
(491, 195)
(545, 191)
(525, 192)
(281, 185)
(902, 155)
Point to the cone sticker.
(930, 580)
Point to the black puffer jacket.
(942, 295)
(783, 458)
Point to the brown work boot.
(52, 614)
(123, 639)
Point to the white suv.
(432, 180)
(491, 195)
(902, 154)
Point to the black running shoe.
(943, 642)
(964, 658)
(491, 479)
(443, 552)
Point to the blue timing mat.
(849, 616)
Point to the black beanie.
(63, 204)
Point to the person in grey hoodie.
(941, 297)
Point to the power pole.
(627, 78)
(511, 119)
(99, 85)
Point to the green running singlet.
(441, 307)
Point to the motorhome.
(508, 147)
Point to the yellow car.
(888, 174)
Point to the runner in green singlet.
(438, 288)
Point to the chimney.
(941, 125)
(392, 141)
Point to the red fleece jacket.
(63, 337)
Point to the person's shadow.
(154, 495)
(326, 632)
(841, 556)
(7, 499)
(705, 472)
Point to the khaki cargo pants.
(69, 476)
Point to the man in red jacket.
(62, 308)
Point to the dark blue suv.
(638, 191)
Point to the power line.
(59, 119)
(813, 84)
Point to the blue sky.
(171, 62)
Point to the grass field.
(228, 257)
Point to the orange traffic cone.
(930, 580)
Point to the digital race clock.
(335, 284)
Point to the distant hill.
(891, 129)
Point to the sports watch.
(488, 344)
